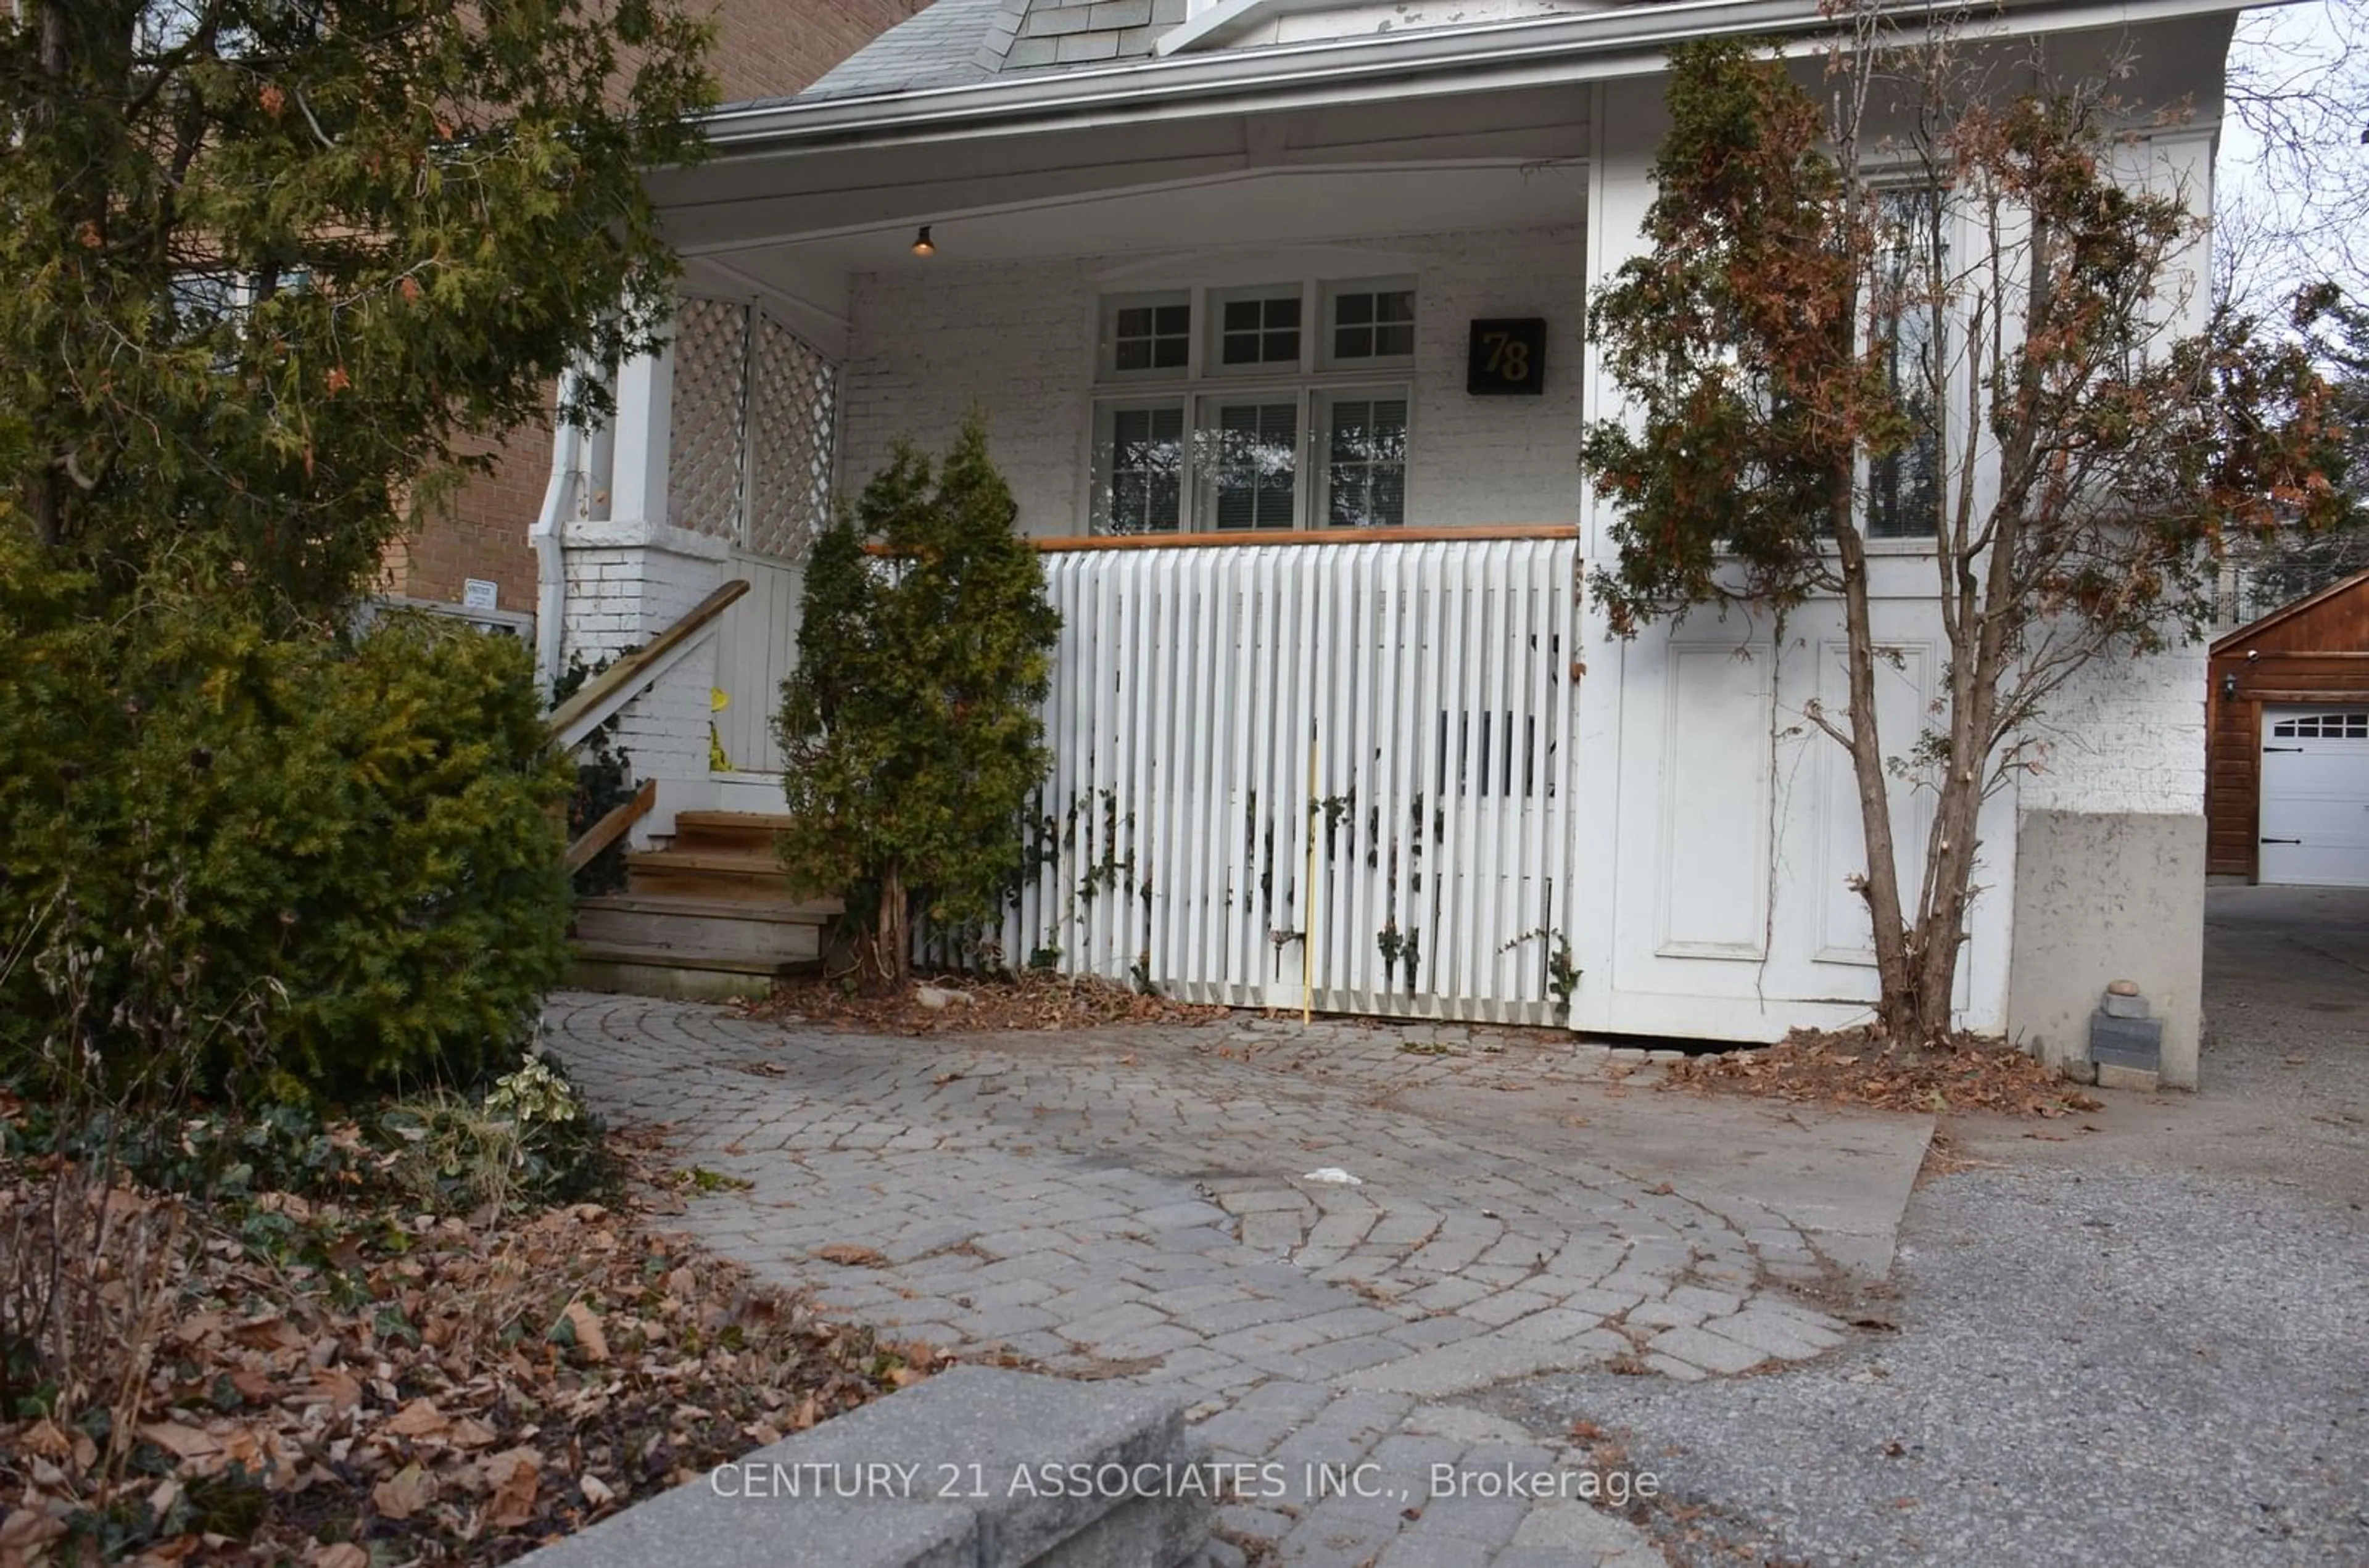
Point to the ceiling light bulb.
(921, 245)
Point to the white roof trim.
(1209, 24)
(1535, 50)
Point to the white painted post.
(645, 424)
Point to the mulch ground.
(1856, 1067)
(342, 1386)
(1029, 1001)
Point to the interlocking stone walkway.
(1135, 1201)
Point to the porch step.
(639, 970)
(717, 876)
(712, 916)
(740, 832)
(778, 932)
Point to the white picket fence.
(1396, 716)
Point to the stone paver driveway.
(1138, 1202)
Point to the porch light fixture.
(921, 245)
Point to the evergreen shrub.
(289, 862)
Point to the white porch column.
(644, 427)
(631, 574)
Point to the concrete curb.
(976, 1468)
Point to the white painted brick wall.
(627, 583)
(1020, 338)
(2126, 734)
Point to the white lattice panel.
(793, 403)
(709, 434)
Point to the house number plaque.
(1508, 358)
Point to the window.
(2323, 727)
(1149, 336)
(1146, 470)
(1904, 487)
(1255, 409)
(1364, 459)
(1373, 323)
(1259, 331)
(1248, 454)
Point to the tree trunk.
(1895, 970)
(884, 957)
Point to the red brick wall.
(764, 49)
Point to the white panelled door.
(2314, 812)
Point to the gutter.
(1632, 40)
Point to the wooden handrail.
(609, 688)
(1484, 533)
(611, 826)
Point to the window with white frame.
(1253, 409)
(1904, 488)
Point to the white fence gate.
(1345, 767)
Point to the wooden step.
(730, 832)
(724, 878)
(638, 970)
(781, 932)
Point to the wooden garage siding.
(2316, 650)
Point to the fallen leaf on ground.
(404, 1493)
(850, 1255)
(516, 1473)
(420, 1418)
(586, 1325)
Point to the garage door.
(2316, 796)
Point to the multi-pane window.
(1905, 487)
(1317, 441)
(1373, 323)
(2323, 727)
(1146, 470)
(1151, 337)
(1249, 457)
(1364, 459)
(1264, 331)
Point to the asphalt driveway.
(2135, 1340)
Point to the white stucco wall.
(1020, 337)
(2126, 734)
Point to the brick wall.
(627, 582)
(925, 343)
(764, 49)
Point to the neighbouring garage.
(2314, 818)
(2287, 733)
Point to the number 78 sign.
(1508, 358)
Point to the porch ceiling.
(1249, 210)
(1290, 176)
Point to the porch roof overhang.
(1533, 52)
(1409, 132)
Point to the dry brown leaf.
(596, 1490)
(46, 1438)
(404, 1493)
(516, 1474)
(420, 1418)
(584, 1324)
(181, 1440)
(337, 1388)
(470, 1433)
(25, 1529)
(337, 1554)
(851, 1255)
